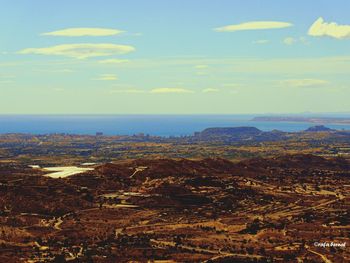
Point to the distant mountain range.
(321, 120)
(241, 134)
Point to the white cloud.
(210, 90)
(261, 41)
(288, 66)
(289, 40)
(84, 31)
(292, 40)
(107, 77)
(304, 40)
(202, 69)
(113, 61)
(304, 83)
(320, 28)
(80, 51)
(171, 90)
(254, 25)
(201, 66)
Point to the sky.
(174, 57)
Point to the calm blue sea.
(161, 125)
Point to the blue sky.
(180, 57)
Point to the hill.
(183, 210)
(319, 128)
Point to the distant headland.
(318, 120)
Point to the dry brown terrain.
(259, 210)
(158, 207)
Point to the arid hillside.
(180, 210)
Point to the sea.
(157, 125)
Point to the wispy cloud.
(80, 51)
(201, 66)
(84, 31)
(210, 90)
(320, 28)
(254, 25)
(113, 61)
(289, 40)
(292, 40)
(303, 83)
(171, 90)
(107, 77)
(202, 69)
